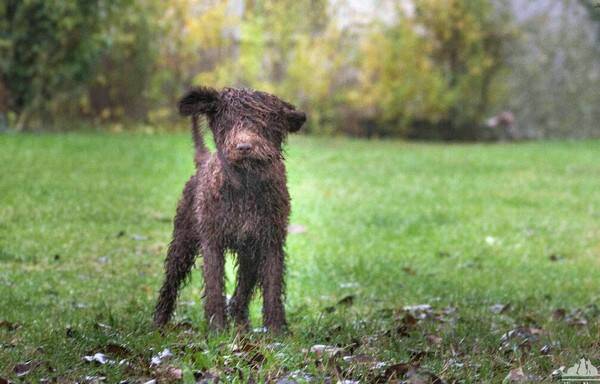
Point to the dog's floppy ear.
(199, 100)
(295, 120)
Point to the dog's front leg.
(272, 275)
(214, 299)
(247, 273)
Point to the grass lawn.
(497, 245)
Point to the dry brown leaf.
(559, 314)
(516, 376)
(434, 339)
(346, 300)
(117, 350)
(499, 308)
(397, 371)
(172, 373)
(23, 369)
(8, 325)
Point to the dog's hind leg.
(180, 257)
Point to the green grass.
(84, 220)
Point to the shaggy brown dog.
(238, 201)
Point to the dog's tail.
(198, 101)
(202, 151)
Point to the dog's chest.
(250, 213)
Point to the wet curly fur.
(236, 201)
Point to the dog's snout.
(243, 147)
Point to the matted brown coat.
(236, 201)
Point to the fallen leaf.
(160, 357)
(435, 379)
(395, 371)
(102, 326)
(559, 314)
(516, 376)
(205, 377)
(577, 322)
(554, 257)
(455, 363)
(256, 360)
(296, 377)
(360, 359)
(99, 358)
(408, 323)
(70, 332)
(245, 347)
(416, 355)
(172, 373)
(522, 333)
(576, 318)
(94, 379)
(327, 350)
(347, 300)
(420, 311)
(117, 350)
(23, 369)
(8, 325)
(409, 271)
(546, 349)
(557, 373)
(434, 339)
(499, 308)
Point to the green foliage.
(121, 83)
(47, 47)
(296, 60)
(399, 70)
(438, 62)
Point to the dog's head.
(249, 127)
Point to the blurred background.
(424, 69)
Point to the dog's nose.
(243, 147)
